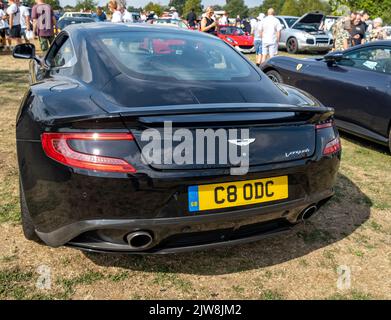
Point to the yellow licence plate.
(238, 193)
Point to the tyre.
(292, 46)
(27, 223)
(274, 76)
(389, 140)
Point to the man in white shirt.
(127, 17)
(24, 20)
(270, 30)
(224, 19)
(14, 21)
(174, 13)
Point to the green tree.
(290, 8)
(275, 4)
(178, 5)
(85, 5)
(236, 7)
(192, 4)
(134, 9)
(314, 5)
(375, 8)
(156, 7)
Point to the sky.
(142, 3)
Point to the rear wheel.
(274, 76)
(389, 140)
(27, 223)
(292, 46)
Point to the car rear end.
(87, 183)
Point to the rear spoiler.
(183, 113)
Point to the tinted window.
(176, 56)
(370, 59)
(63, 56)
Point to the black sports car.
(86, 179)
(356, 82)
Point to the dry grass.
(353, 230)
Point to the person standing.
(377, 32)
(224, 19)
(341, 33)
(100, 15)
(270, 30)
(127, 17)
(255, 31)
(4, 29)
(357, 32)
(191, 18)
(44, 22)
(174, 13)
(24, 20)
(208, 25)
(13, 13)
(116, 15)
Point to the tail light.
(56, 147)
(332, 147)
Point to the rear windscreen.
(177, 56)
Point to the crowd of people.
(16, 25)
(356, 28)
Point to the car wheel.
(292, 46)
(27, 223)
(389, 140)
(274, 76)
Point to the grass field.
(353, 230)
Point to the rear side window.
(184, 57)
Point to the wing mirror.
(25, 51)
(333, 57)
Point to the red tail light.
(332, 147)
(324, 125)
(56, 147)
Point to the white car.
(171, 23)
(76, 14)
(304, 34)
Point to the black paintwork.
(95, 210)
(361, 98)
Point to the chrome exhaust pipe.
(308, 212)
(139, 240)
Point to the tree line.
(375, 8)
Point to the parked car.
(82, 132)
(61, 24)
(237, 38)
(356, 82)
(171, 23)
(76, 15)
(304, 34)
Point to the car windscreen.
(232, 31)
(307, 27)
(184, 57)
(66, 22)
(290, 21)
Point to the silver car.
(304, 34)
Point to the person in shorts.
(4, 29)
(24, 20)
(271, 31)
(13, 14)
(44, 22)
(257, 39)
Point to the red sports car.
(237, 38)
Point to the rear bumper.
(185, 233)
